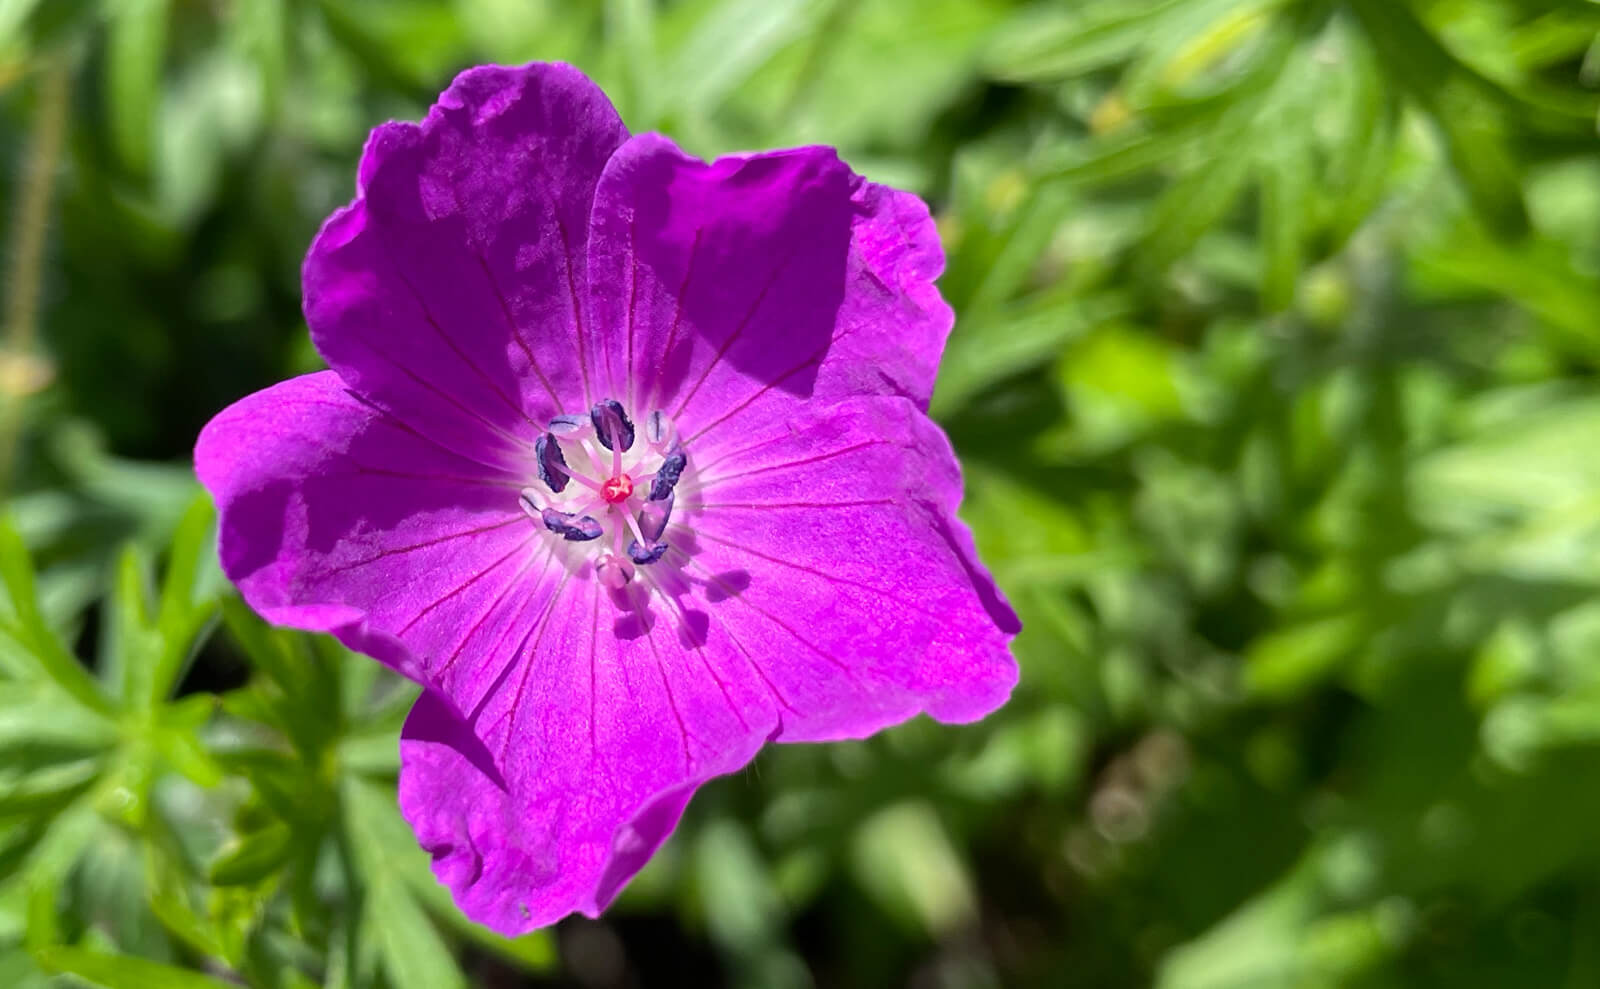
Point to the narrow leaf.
(122, 971)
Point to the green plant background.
(1274, 382)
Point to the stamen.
(659, 431)
(614, 572)
(643, 549)
(573, 528)
(528, 499)
(571, 428)
(585, 480)
(553, 469)
(611, 425)
(646, 554)
(667, 475)
(653, 517)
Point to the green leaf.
(47, 24)
(361, 28)
(725, 44)
(1259, 944)
(188, 598)
(376, 754)
(135, 49)
(35, 715)
(1017, 254)
(1198, 200)
(1537, 274)
(904, 859)
(269, 651)
(177, 738)
(1045, 43)
(630, 26)
(169, 898)
(1117, 156)
(385, 846)
(413, 954)
(1364, 159)
(1286, 186)
(252, 857)
(30, 632)
(742, 908)
(1291, 662)
(46, 790)
(122, 971)
(1120, 382)
(51, 862)
(1016, 338)
(16, 570)
(13, 15)
(1470, 113)
(261, 33)
(830, 85)
(128, 650)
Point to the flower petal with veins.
(731, 362)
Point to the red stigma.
(617, 490)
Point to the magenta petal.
(558, 785)
(566, 827)
(737, 286)
(336, 517)
(449, 292)
(820, 588)
(830, 544)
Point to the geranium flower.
(624, 457)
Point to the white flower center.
(597, 480)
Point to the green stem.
(26, 268)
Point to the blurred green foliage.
(1275, 384)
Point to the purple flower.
(624, 457)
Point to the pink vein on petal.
(397, 550)
(390, 420)
(456, 349)
(699, 650)
(677, 318)
(672, 700)
(784, 625)
(790, 504)
(633, 300)
(727, 344)
(727, 629)
(362, 470)
(536, 631)
(486, 571)
(830, 578)
(577, 314)
(706, 483)
(516, 331)
(505, 592)
(815, 358)
(516, 441)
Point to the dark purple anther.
(659, 431)
(552, 465)
(569, 427)
(653, 517)
(571, 527)
(646, 554)
(667, 476)
(611, 420)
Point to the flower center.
(580, 506)
(617, 489)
